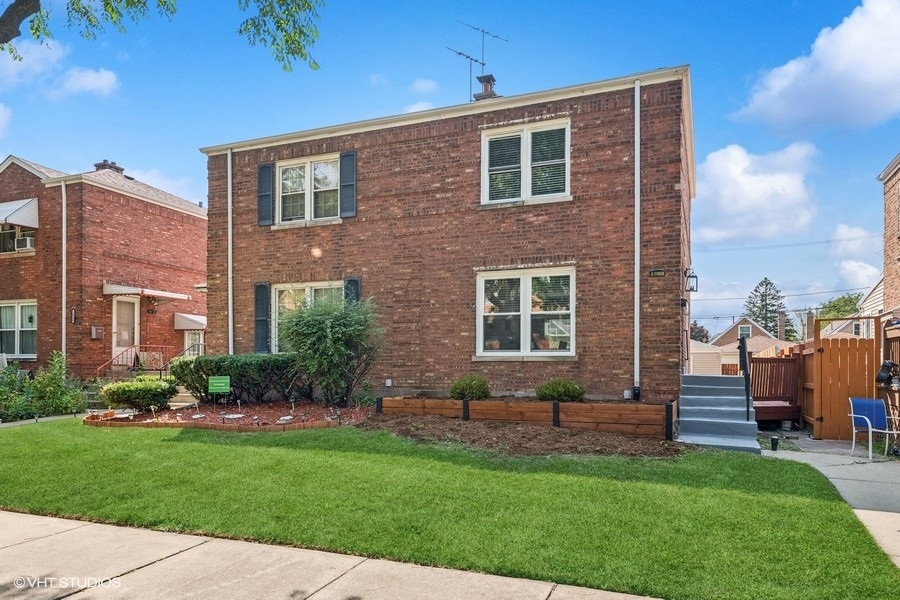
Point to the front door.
(125, 327)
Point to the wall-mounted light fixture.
(691, 280)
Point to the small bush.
(50, 392)
(560, 390)
(139, 395)
(470, 387)
(151, 377)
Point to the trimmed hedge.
(560, 390)
(140, 395)
(470, 387)
(254, 377)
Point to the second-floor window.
(13, 238)
(309, 190)
(526, 162)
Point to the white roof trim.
(112, 289)
(185, 321)
(20, 212)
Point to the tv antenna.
(483, 32)
(471, 60)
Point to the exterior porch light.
(690, 280)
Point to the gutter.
(636, 392)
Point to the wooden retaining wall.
(654, 420)
(213, 426)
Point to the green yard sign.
(219, 384)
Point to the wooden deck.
(776, 410)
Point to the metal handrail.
(192, 350)
(131, 357)
(744, 359)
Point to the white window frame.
(309, 193)
(525, 132)
(525, 312)
(20, 232)
(18, 328)
(749, 330)
(307, 290)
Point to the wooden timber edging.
(213, 426)
(654, 420)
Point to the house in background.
(869, 305)
(96, 265)
(523, 237)
(759, 342)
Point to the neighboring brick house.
(95, 264)
(890, 177)
(496, 237)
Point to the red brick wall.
(420, 232)
(111, 237)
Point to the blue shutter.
(261, 318)
(352, 289)
(265, 206)
(348, 184)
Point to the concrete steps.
(712, 412)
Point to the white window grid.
(296, 294)
(315, 183)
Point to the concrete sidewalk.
(47, 557)
(871, 488)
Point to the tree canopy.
(763, 305)
(839, 306)
(699, 333)
(287, 27)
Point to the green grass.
(709, 525)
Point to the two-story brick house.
(96, 265)
(505, 237)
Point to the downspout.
(65, 235)
(636, 392)
(230, 259)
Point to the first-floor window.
(291, 296)
(526, 312)
(18, 329)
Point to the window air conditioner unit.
(24, 243)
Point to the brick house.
(890, 177)
(96, 265)
(498, 237)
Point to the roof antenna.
(471, 60)
(484, 32)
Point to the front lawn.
(708, 525)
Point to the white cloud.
(5, 118)
(424, 86)
(854, 242)
(37, 60)
(417, 106)
(850, 78)
(743, 196)
(858, 274)
(183, 187)
(77, 80)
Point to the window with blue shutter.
(348, 184)
(261, 318)
(265, 204)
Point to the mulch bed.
(504, 438)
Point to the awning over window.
(112, 289)
(189, 322)
(23, 213)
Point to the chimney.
(810, 324)
(781, 319)
(487, 87)
(108, 165)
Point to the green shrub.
(254, 377)
(334, 343)
(51, 392)
(152, 377)
(470, 387)
(139, 395)
(560, 390)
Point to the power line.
(701, 249)
(783, 295)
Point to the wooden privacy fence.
(830, 371)
(656, 420)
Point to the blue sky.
(796, 107)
